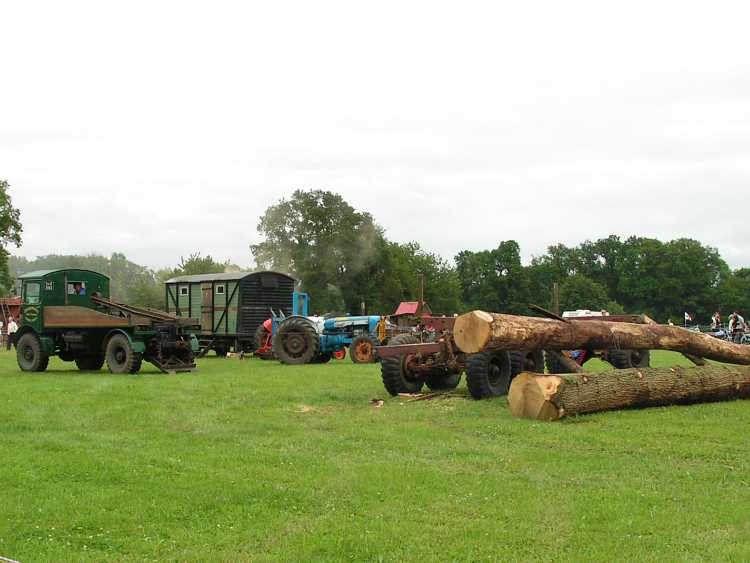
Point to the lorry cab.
(58, 288)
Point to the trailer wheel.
(221, 350)
(393, 370)
(531, 360)
(121, 358)
(624, 359)
(362, 350)
(296, 341)
(441, 381)
(89, 363)
(29, 353)
(488, 374)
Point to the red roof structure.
(412, 308)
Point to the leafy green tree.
(580, 292)
(494, 280)
(322, 240)
(196, 264)
(403, 266)
(10, 233)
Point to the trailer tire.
(488, 374)
(363, 350)
(624, 359)
(296, 342)
(89, 363)
(29, 353)
(221, 350)
(443, 381)
(530, 360)
(393, 373)
(121, 358)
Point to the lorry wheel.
(553, 365)
(362, 350)
(441, 381)
(296, 341)
(624, 359)
(121, 358)
(90, 363)
(29, 353)
(488, 374)
(393, 370)
(532, 360)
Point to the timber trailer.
(410, 361)
(68, 313)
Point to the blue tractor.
(303, 339)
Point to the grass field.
(257, 461)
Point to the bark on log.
(550, 397)
(478, 331)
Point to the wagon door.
(207, 308)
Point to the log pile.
(550, 397)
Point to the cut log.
(479, 331)
(550, 397)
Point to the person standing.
(12, 329)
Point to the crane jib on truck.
(68, 313)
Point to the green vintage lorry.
(68, 313)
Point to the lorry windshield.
(32, 293)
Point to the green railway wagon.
(230, 306)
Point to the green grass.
(257, 461)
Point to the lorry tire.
(89, 363)
(531, 360)
(624, 359)
(121, 358)
(221, 350)
(362, 350)
(553, 365)
(488, 374)
(393, 371)
(443, 381)
(296, 341)
(29, 353)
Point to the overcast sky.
(161, 128)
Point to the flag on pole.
(688, 317)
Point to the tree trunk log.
(550, 397)
(479, 331)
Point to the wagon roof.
(226, 276)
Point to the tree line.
(347, 264)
